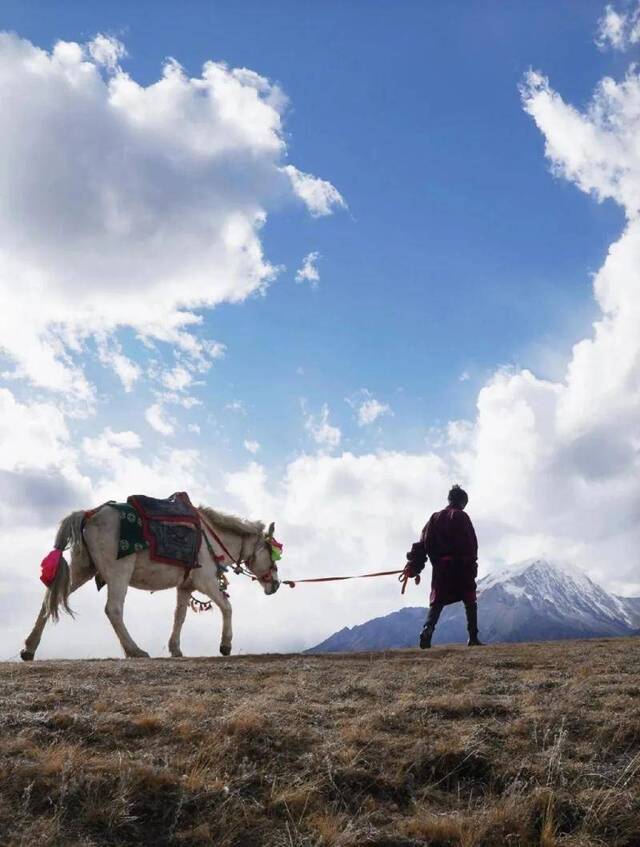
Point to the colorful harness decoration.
(276, 549)
(131, 538)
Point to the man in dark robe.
(449, 540)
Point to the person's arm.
(417, 556)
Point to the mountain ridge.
(533, 600)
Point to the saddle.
(170, 528)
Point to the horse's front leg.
(182, 604)
(207, 583)
(224, 605)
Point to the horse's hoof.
(138, 654)
(225, 649)
(176, 654)
(26, 655)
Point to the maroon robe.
(449, 540)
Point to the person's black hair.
(458, 497)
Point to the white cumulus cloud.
(308, 271)
(319, 196)
(106, 50)
(596, 149)
(323, 432)
(157, 419)
(130, 205)
(39, 472)
(110, 354)
(177, 379)
(619, 29)
(370, 410)
(31, 434)
(107, 448)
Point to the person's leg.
(430, 625)
(471, 608)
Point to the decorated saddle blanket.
(169, 529)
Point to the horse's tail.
(69, 535)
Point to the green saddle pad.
(131, 538)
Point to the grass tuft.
(508, 746)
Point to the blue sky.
(466, 173)
(458, 252)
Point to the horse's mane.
(232, 523)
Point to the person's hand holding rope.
(408, 573)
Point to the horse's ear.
(271, 530)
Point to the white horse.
(94, 551)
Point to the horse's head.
(263, 561)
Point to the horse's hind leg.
(182, 604)
(32, 640)
(116, 592)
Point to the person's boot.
(472, 624)
(429, 626)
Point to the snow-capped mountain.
(538, 600)
(534, 600)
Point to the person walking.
(449, 541)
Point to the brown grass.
(501, 746)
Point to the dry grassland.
(505, 745)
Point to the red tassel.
(49, 567)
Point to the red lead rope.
(404, 577)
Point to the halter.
(241, 565)
(265, 577)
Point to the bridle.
(243, 564)
(267, 577)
